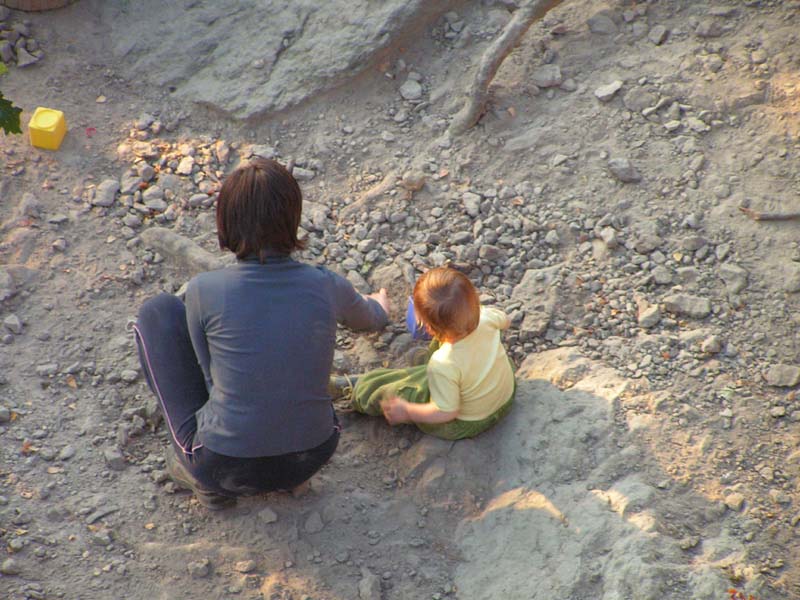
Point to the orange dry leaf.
(27, 448)
(71, 382)
(149, 526)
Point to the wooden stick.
(477, 93)
(768, 216)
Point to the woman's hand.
(381, 297)
(394, 409)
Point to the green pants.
(411, 384)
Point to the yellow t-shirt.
(473, 376)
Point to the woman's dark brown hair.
(258, 210)
(447, 303)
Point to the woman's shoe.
(179, 474)
(340, 387)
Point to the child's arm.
(396, 410)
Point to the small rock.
(267, 515)
(411, 90)
(783, 375)
(185, 166)
(658, 34)
(708, 29)
(13, 323)
(25, 58)
(602, 24)
(106, 192)
(606, 92)
(245, 566)
(623, 169)
(649, 317)
(5, 414)
(114, 459)
(547, 76)
(10, 567)
(734, 276)
(67, 452)
(314, 523)
(734, 501)
(777, 412)
(686, 305)
(199, 569)
(711, 345)
(369, 587)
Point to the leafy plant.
(9, 114)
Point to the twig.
(478, 91)
(769, 216)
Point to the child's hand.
(394, 409)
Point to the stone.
(538, 296)
(709, 28)
(13, 323)
(114, 459)
(185, 166)
(649, 317)
(623, 169)
(472, 203)
(10, 567)
(734, 501)
(638, 99)
(267, 515)
(606, 92)
(106, 193)
(734, 276)
(25, 58)
(314, 523)
(199, 569)
(5, 414)
(411, 90)
(369, 586)
(688, 306)
(658, 34)
(662, 275)
(602, 24)
(67, 452)
(245, 566)
(711, 345)
(7, 287)
(783, 375)
(547, 76)
(6, 51)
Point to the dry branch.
(478, 91)
(769, 216)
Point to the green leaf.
(9, 116)
(3, 68)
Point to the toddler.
(467, 384)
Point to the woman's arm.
(396, 410)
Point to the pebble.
(10, 567)
(314, 523)
(67, 452)
(245, 566)
(783, 375)
(547, 76)
(602, 24)
(199, 569)
(5, 414)
(106, 193)
(734, 501)
(658, 34)
(606, 92)
(267, 515)
(649, 317)
(623, 169)
(114, 459)
(369, 586)
(687, 305)
(411, 90)
(13, 323)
